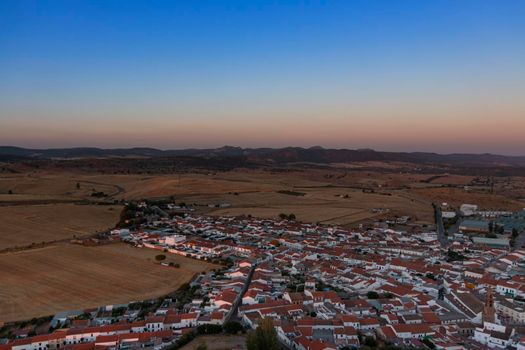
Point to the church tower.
(489, 313)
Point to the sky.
(392, 75)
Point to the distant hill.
(285, 155)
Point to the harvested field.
(331, 195)
(68, 277)
(458, 196)
(328, 205)
(26, 224)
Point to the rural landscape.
(76, 229)
(48, 206)
(262, 175)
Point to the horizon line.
(254, 148)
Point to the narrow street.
(440, 228)
(233, 315)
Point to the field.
(343, 206)
(218, 342)
(62, 277)
(458, 196)
(26, 224)
(333, 196)
(336, 195)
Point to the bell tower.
(489, 313)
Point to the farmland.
(40, 282)
(335, 195)
(27, 224)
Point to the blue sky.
(446, 76)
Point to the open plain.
(335, 194)
(24, 225)
(40, 282)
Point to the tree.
(283, 216)
(202, 346)
(78, 185)
(209, 329)
(291, 217)
(160, 257)
(185, 339)
(429, 343)
(264, 337)
(233, 327)
(370, 342)
(430, 276)
(10, 192)
(454, 256)
(372, 295)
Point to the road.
(440, 228)
(520, 241)
(233, 315)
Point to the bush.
(185, 339)
(209, 329)
(119, 311)
(284, 216)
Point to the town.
(321, 286)
(262, 175)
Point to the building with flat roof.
(474, 226)
(500, 242)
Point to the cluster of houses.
(323, 287)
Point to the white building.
(493, 335)
(175, 239)
(468, 209)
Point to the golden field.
(44, 281)
(23, 225)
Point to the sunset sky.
(444, 76)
